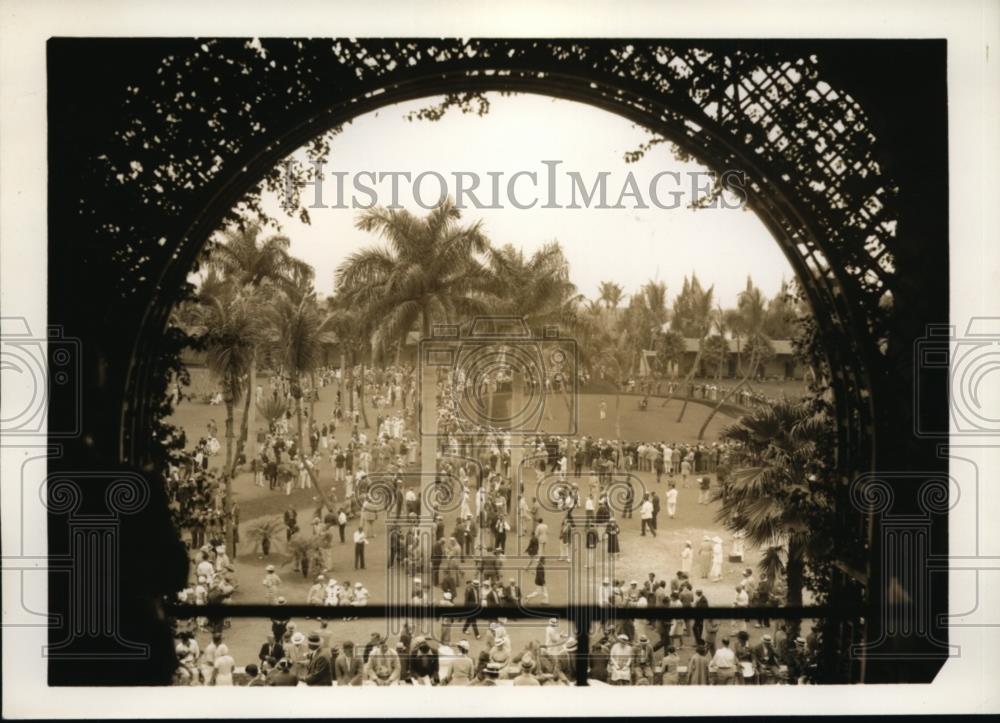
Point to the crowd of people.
(580, 478)
(290, 656)
(707, 652)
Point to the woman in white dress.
(224, 665)
(465, 510)
(687, 558)
(715, 574)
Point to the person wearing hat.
(205, 568)
(499, 655)
(360, 595)
(317, 593)
(554, 637)
(620, 661)
(461, 669)
(223, 666)
(526, 677)
(320, 668)
(643, 659)
(222, 563)
(272, 585)
(298, 649)
(765, 658)
(489, 674)
(798, 661)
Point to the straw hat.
(298, 639)
(269, 568)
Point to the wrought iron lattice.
(215, 119)
(193, 134)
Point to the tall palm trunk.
(312, 397)
(232, 462)
(227, 501)
(361, 397)
(327, 502)
(618, 416)
(794, 579)
(249, 423)
(297, 393)
(744, 382)
(687, 381)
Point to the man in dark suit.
(472, 599)
(271, 649)
(320, 670)
(349, 667)
(512, 594)
(437, 556)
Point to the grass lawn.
(567, 581)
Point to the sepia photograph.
(441, 360)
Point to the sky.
(629, 245)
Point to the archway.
(735, 106)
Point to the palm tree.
(353, 332)
(692, 314)
(535, 288)
(753, 313)
(300, 328)
(611, 294)
(429, 271)
(256, 266)
(774, 488)
(231, 332)
(669, 348)
(722, 327)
